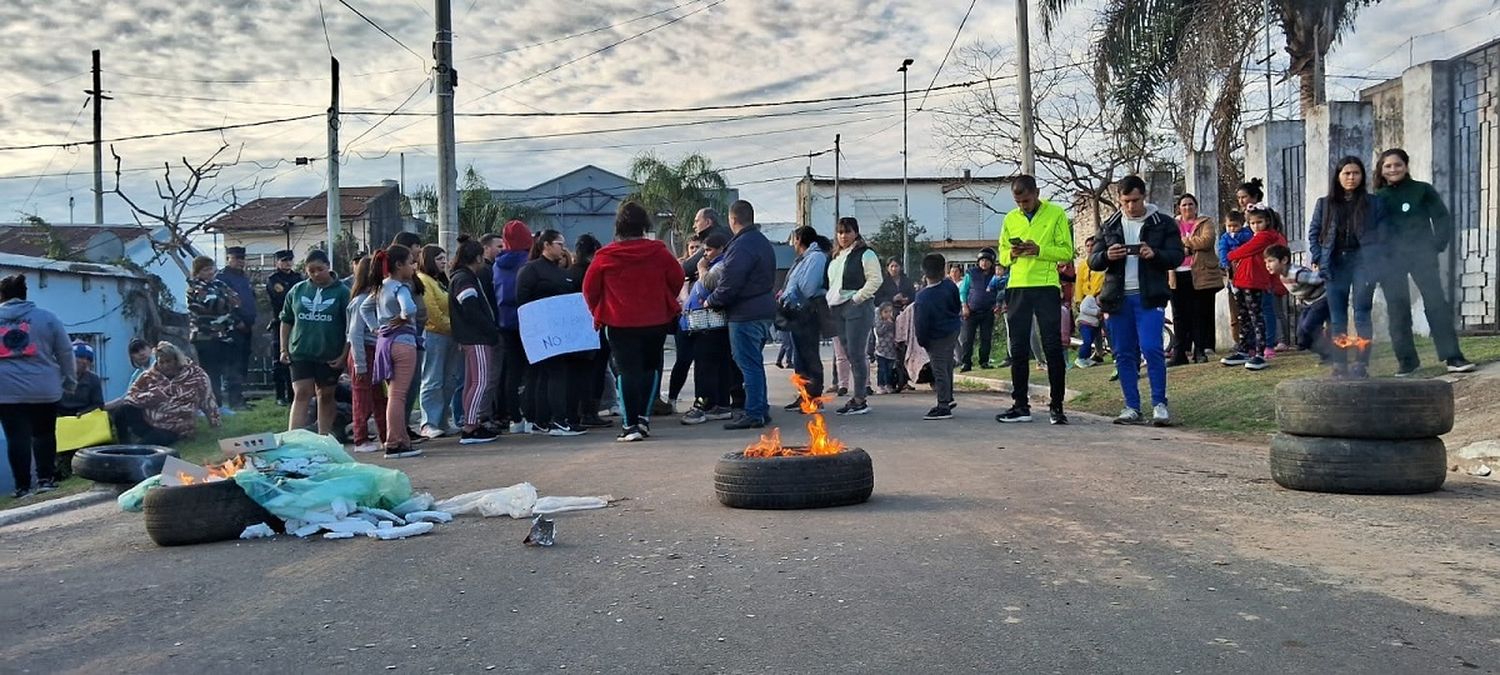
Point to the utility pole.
(905, 197)
(98, 93)
(1270, 88)
(447, 78)
(836, 154)
(335, 213)
(401, 186)
(1023, 87)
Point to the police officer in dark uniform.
(277, 285)
(233, 275)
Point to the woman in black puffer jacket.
(554, 386)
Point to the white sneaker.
(430, 432)
(369, 446)
(1082, 363)
(1160, 417)
(454, 430)
(524, 427)
(1128, 416)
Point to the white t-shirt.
(1132, 228)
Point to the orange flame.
(1351, 341)
(216, 472)
(819, 442)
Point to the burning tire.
(794, 482)
(120, 464)
(1358, 466)
(202, 513)
(1373, 409)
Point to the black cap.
(235, 251)
(987, 253)
(285, 254)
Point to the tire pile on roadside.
(1377, 436)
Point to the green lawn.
(263, 416)
(1234, 401)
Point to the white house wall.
(929, 207)
(93, 306)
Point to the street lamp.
(905, 201)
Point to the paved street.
(1089, 548)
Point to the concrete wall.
(928, 208)
(1203, 182)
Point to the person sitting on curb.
(161, 407)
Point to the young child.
(885, 350)
(1308, 288)
(1251, 283)
(1235, 234)
(938, 319)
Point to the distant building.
(369, 214)
(107, 244)
(581, 201)
(961, 214)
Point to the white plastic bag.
(515, 501)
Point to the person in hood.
(632, 288)
(1137, 249)
(554, 386)
(515, 251)
(36, 370)
(237, 365)
(746, 293)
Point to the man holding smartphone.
(1035, 238)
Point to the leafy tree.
(887, 241)
(478, 210)
(678, 189)
(56, 247)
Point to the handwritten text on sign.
(560, 324)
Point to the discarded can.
(543, 531)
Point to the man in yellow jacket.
(1035, 238)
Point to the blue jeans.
(746, 340)
(441, 369)
(1310, 329)
(1136, 331)
(1345, 282)
(1087, 335)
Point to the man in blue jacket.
(746, 295)
(233, 275)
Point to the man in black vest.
(980, 294)
(277, 284)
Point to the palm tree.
(1142, 41)
(678, 190)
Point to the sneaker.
(965, 368)
(595, 422)
(1200, 358)
(694, 417)
(367, 446)
(745, 422)
(987, 366)
(1235, 358)
(1460, 365)
(563, 429)
(416, 438)
(612, 411)
(430, 432)
(939, 412)
(1283, 347)
(524, 427)
(1014, 415)
(454, 430)
(398, 453)
(1082, 363)
(1056, 416)
(854, 408)
(1128, 416)
(21, 493)
(1160, 417)
(720, 413)
(644, 425)
(1270, 354)
(794, 406)
(1256, 363)
(46, 485)
(952, 405)
(1408, 371)
(1004, 364)
(630, 435)
(477, 436)
(843, 391)
(661, 407)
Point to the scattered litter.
(547, 505)
(351, 526)
(428, 517)
(543, 532)
(1482, 470)
(383, 515)
(421, 502)
(517, 501)
(338, 535)
(132, 500)
(258, 531)
(412, 530)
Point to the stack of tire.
(1376, 436)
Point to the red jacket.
(633, 284)
(1250, 272)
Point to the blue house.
(583, 200)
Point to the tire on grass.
(203, 513)
(799, 482)
(120, 464)
(1358, 466)
(1375, 409)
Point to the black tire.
(805, 482)
(199, 514)
(1375, 409)
(1358, 466)
(120, 464)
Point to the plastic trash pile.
(518, 501)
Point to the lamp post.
(905, 201)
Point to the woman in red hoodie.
(1251, 283)
(631, 288)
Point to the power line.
(1411, 40)
(164, 134)
(53, 158)
(323, 19)
(382, 30)
(387, 116)
(209, 99)
(944, 62)
(46, 85)
(571, 36)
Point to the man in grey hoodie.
(36, 369)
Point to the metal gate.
(1475, 273)
(1293, 195)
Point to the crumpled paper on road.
(517, 501)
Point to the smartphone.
(1016, 241)
(1133, 249)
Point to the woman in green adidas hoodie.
(1420, 229)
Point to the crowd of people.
(416, 328)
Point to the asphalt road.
(1030, 548)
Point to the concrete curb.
(1004, 387)
(24, 513)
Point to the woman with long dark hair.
(367, 397)
(632, 290)
(1344, 243)
(1422, 224)
(554, 386)
(471, 312)
(441, 368)
(400, 316)
(1195, 282)
(592, 399)
(853, 278)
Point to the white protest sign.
(560, 324)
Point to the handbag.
(705, 319)
(84, 431)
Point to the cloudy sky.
(173, 65)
